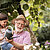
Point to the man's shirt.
(24, 38)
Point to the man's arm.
(19, 46)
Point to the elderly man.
(24, 36)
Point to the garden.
(37, 12)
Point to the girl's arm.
(1, 38)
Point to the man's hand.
(8, 40)
(14, 48)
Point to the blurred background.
(37, 12)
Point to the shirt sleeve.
(27, 38)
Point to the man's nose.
(20, 25)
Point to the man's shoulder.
(26, 32)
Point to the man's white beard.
(18, 30)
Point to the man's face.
(19, 25)
(3, 23)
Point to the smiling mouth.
(19, 28)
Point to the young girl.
(3, 22)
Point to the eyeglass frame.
(19, 23)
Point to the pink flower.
(47, 43)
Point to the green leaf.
(26, 0)
(43, 7)
(34, 28)
(25, 6)
(41, 17)
(42, 21)
(48, 0)
(39, 9)
(48, 5)
(35, 20)
(36, 24)
(41, 13)
(30, 22)
(27, 17)
(40, 25)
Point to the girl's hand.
(9, 41)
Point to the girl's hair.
(3, 16)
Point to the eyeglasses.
(19, 23)
(5, 22)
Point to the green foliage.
(35, 11)
(34, 7)
(26, 0)
(41, 13)
(35, 14)
(44, 34)
(42, 7)
(34, 28)
(47, 16)
(4, 1)
(48, 3)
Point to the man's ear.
(26, 23)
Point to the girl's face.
(3, 23)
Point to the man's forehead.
(19, 20)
